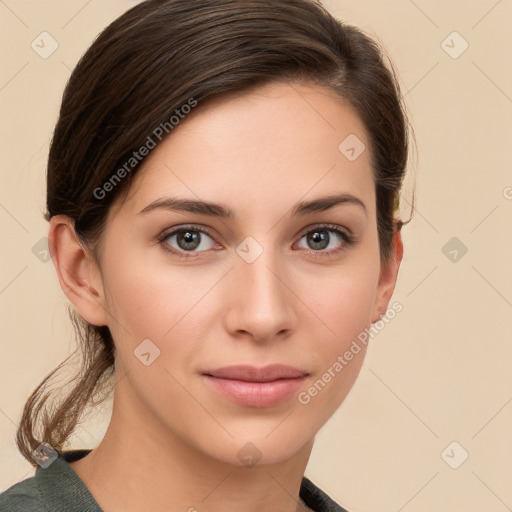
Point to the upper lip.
(252, 374)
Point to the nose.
(262, 305)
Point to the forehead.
(271, 146)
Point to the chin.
(259, 450)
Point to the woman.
(222, 187)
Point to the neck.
(135, 469)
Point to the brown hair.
(151, 61)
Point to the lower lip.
(256, 394)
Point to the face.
(275, 282)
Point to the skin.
(172, 442)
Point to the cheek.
(157, 299)
(139, 296)
(343, 299)
(345, 308)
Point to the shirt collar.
(63, 489)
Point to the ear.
(78, 273)
(388, 276)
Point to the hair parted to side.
(149, 62)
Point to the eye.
(189, 241)
(321, 238)
(186, 239)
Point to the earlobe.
(388, 277)
(78, 274)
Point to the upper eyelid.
(193, 227)
(172, 231)
(327, 226)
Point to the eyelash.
(347, 238)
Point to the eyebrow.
(219, 210)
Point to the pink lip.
(256, 387)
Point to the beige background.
(440, 371)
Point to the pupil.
(191, 240)
(319, 239)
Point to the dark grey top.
(57, 488)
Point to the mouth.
(256, 387)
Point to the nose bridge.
(262, 303)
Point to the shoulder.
(54, 487)
(23, 496)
